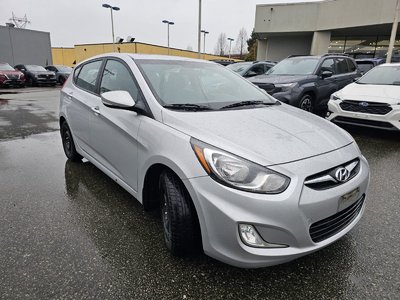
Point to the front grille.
(364, 122)
(326, 179)
(46, 76)
(366, 107)
(330, 226)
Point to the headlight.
(285, 86)
(237, 172)
(335, 97)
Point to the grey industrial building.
(24, 46)
(360, 28)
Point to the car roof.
(135, 56)
(390, 65)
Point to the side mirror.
(250, 74)
(118, 99)
(326, 74)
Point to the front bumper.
(390, 121)
(280, 219)
(12, 82)
(51, 80)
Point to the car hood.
(268, 135)
(276, 79)
(371, 93)
(10, 72)
(42, 72)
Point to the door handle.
(69, 95)
(96, 110)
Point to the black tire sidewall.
(70, 151)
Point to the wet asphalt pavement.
(67, 231)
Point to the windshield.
(387, 75)
(295, 66)
(64, 69)
(6, 67)
(198, 83)
(35, 68)
(239, 67)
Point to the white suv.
(372, 101)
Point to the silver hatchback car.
(250, 181)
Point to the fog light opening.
(250, 237)
(328, 114)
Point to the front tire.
(179, 221)
(307, 103)
(68, 143)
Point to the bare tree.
(222, 45)
(241, 42)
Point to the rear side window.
(341, 66)
(328, 65)
(116, 77)
(352, 65)
(88, 75)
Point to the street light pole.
(394, 33)
(230, 45)
(168, 24)
(112, 20)
(199, 32)
(204, 43)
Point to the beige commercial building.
(360, 28)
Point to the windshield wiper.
(250, 102)
(187, 106)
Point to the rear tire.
(68, 143)
(179, 221)
(307, 103)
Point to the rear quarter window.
(88, 75)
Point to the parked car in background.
(251, 68)
(372, 101)
(366, 64)
(37, 75)
(308, 81)
(197, 150)
(10, 77)
(224, 62)
(62, 72)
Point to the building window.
(364, 47)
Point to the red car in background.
(10, 77)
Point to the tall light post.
(230, 45)
(204, 42)
(199, 32)
(394, 32)
(112, 20)
(168, 24)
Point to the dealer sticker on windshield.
(347, 199)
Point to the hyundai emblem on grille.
(342, 174)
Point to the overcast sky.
(73, 22)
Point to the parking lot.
(68, 231)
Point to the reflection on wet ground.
(28, 111)
(68, 231)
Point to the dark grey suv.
(308, 81)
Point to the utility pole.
(199, 33)
(204, 43)
(394, 33)
(230, 45)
